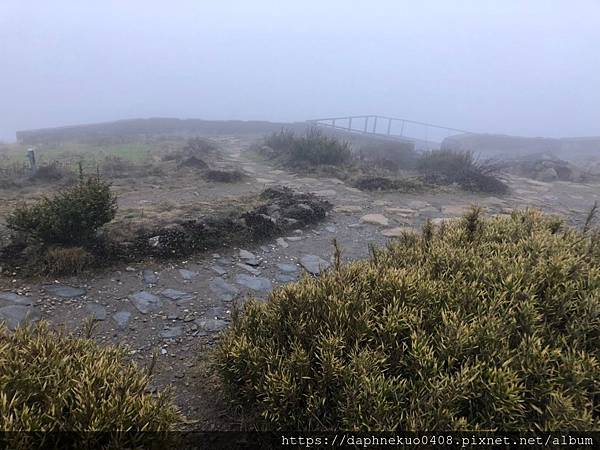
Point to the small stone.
(331, 229)
(281, 242)
(294, 238)
(249, 258)
(149, 276)
(175, 295)
(9, 298)
(64, 291)
(218, 269)
(255, 283)
(187, 274)
(15, 316)
(313, 264)
(250, 269)
(225, 290)
(397, 232)
(210, 325)
(347, 209)
(145, 302)
(287, 268)
(375, 219)
(97, 311)
(171, 332)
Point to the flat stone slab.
(64, 291)
(187, 275)
(249, 258)
(145, 302)
(96, 310)
(15, 316)
(171, 332)
(294, 238)
(222, 288)
(375, 219)
(314, 264)
(218, 269)
(260, 284)
(287, 268)
(10, 298)
(249, 268)
(397, 232)
(210, 325)
(348, 209)
(122, 318)
(285, 278)
(175, 295)
(402, 212)
(418, 204)
(149, 276)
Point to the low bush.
(194, 147)
(313, 148)
(66, 261)
(51, 172)
(224, 176)
(461, 167)
(378, 183)
(475, 324)
(72, 217)
(52, 382)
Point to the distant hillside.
(494, 144)
(125, 129)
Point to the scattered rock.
(283, 278)
(187, 274)
(122, 318)
(347, 209)
(15, 316)
(249, 258)
(64, 291)
(171, 332)
(96, 310)
(210, 325)
(250, 269)
(287, 268)
(149, 276)
(397, 232)
(218, 269)
(255, 283)
(314, 264)
(225, 290)
(175, 295)
(9, 298)
(375, 219)
(145, 302)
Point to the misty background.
(522, 68)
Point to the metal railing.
(421, 133)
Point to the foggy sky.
(528, 68)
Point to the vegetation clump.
(475, 324)
(52, 382)
(461, 167)
(314, 148)
(72, 217)
(379, 183)
(224, 176)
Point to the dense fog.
(523, 68)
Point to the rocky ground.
(175, 310)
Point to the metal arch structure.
(423, 135)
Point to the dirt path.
(177, 308)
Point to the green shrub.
(378, 183)
(72, 217)
(313, 148)
(475, 324)
(461, 167)
(52, 382)
(66, 261)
